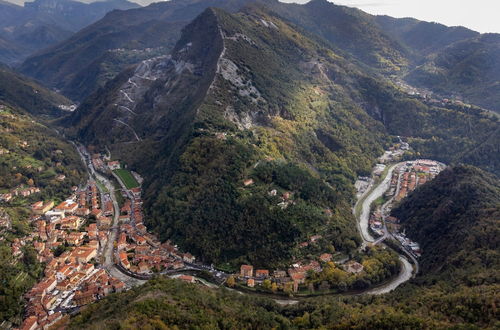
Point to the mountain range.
(26, 29)
(27, 95)
(250, 121)
(250, 95)
(397, 48)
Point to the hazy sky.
(478, 15)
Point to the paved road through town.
(365, 199)
(107, 254)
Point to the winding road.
(366, 201)
(362, 222)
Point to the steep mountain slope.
(42, 23)
(348, 29)
(9, 51)
(448, 133)
(469, 69)
(456, 218)
(457, 287)
(235, 114)
(248, 96)
(84, 62)
(423, 38)
(31, 155)
(21, 92)
(29, 152)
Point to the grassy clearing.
(102, 187)
(127, 178)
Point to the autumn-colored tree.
(231, 281)
(266, 284)
(288, 288)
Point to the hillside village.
(68, 238)
(71, 239)
(137, 252)
(406, 177)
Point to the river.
(404, 275)
(373, 195)
(406, 267)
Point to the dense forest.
(456, 218)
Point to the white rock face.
(230, 72)
(240, 36)
(146, 73)
(243, 121)
(269, 24)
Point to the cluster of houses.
(68, 242)
(5, 221)
(395, 153)
(295, 276)
(98, 163)
(405, 178)
(136, 250)
(411, 246)
(21, 191)
(411, 175)
(141, 252)
(376, 222)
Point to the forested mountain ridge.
(456, 288)
(422, 38)
(266, 103)
(349, 30)
(24, 93)
(468, 69)
(87, 60)
(456, 218)
(42, 23)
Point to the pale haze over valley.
(478, 15)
